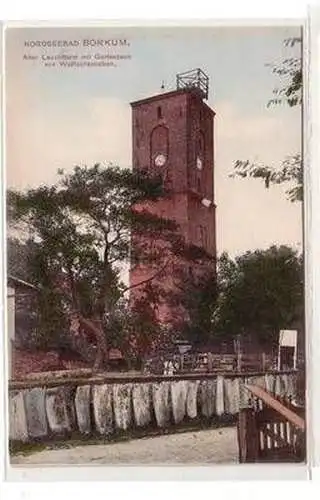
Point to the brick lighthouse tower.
(173, 134)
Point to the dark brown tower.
(173, 133)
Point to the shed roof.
(18, 283)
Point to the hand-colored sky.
(59, 117)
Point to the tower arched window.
(159, 142)
(159, 112)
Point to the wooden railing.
(271, 429)
(212, 362)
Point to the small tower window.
(159, 112)
(205, 231)
(203, 236)
(201, 143)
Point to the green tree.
(260, 293)
(83, 225)
(40, 315)
(198, 297)
(288, 93)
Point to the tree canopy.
(253, 295)
(260, 292)
(81, 229)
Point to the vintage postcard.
(155, 261)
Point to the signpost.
(287, 349)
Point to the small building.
(16, 289)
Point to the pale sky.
(60, 117)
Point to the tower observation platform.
(195, 78)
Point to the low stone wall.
(105, 406)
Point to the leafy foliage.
(197, 294)
(82, 227)
(290, 73)
(19, 256)
(290, 172)
(260, 293)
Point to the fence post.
(181, 361)
(263, 356)
(239, 356)
(209, 362)
(237, 349)
(248, 437)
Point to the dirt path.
(203, 447)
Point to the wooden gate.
(272, 429)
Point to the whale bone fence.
(105, 406)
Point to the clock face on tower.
(199, 163)
(160, 160)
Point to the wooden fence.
(271, 430)
(212, 362)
